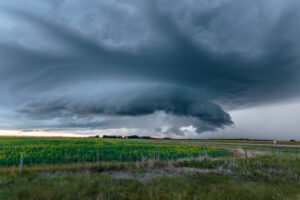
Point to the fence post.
(206, 154)
(98, 162)
(278, 151)
(158, 157)
(21, 163)
(246, 155)
(236, 156)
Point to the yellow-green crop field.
(70, 150)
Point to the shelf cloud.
(152, 65)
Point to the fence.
(35, 156)
(100, 155)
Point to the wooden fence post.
(246, 155)
(158, 158)
(236, 156)
(21, 163)
(206, 154)
(278, 151)
(98, 162)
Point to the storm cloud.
(99, 65)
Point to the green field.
(70, 150)
(65, 168)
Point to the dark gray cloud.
(112, 63)
(132, 102)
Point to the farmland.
(70, 150)
(66, 168)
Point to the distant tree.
(145, 137)
(109, 136)
(133, 137)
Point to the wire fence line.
(34, 159)
(115, 155)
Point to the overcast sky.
(192, 68)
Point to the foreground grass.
(260, 177)
(97, 186)
(263, 177)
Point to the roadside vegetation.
(249, 141)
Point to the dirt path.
(240, 153)
(169, 172)
(147, 175)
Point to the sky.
(184, 69)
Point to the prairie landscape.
(93, 168)
(150, 99)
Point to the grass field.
(183, 171)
